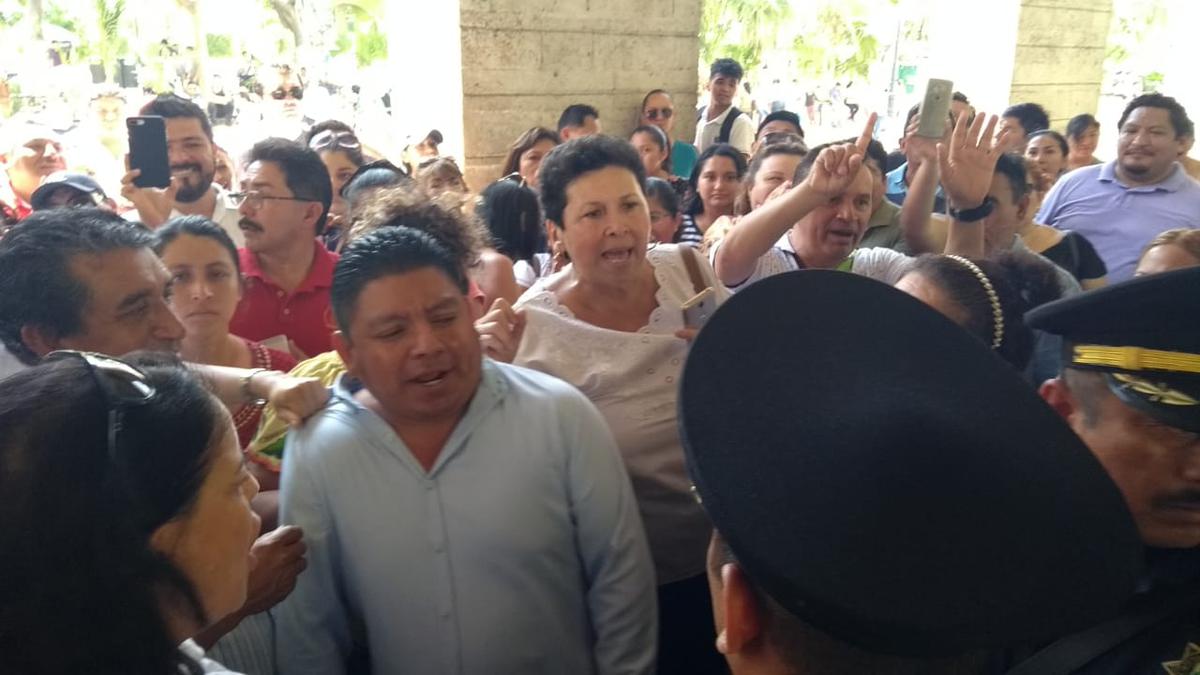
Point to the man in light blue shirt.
(1120, 206)
(462, 515)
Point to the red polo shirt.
(304, 315)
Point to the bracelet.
(246, 393)
(976, 214)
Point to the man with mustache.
(284, 202)
(1123, 204)
(1130, 389)
(191, 153)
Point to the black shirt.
(1075, 254)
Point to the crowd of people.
(641, 405)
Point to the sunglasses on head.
(294, 92)
(335, 139)
(123, 386)
(654, 113)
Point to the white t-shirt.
(224, 214)
(741, 136)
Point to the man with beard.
(191, 153)
(284, 202)
(1123, 204)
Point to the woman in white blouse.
(611, 323)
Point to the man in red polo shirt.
(283, 204)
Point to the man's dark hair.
(876, 153)
(799, 642)
(196, 226)
(1012, 167)
(1031, 116)
(36, 284)
(386, 252)
(1080, 124)
(302, 168)
(1180, 122)
(1089, 389)
(912, 112)
(960, 97)
(513, 217)
(782, 116)
(726, 68)
(171, 106)
(575, 115)
(577, 157)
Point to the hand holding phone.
(935, 109)
(148, 151)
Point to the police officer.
(887, 501)
(1131, 391)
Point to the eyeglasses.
(281, 93)
(335, 139)
(255, 200)
(653, 113)
(122, 385)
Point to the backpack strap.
(727, 125)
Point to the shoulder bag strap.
(1073, 652)
(727, 125)
(693, 267)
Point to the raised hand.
(968, 161)
(921, 149)
(500, 331)
(837, 166)
(154, 205)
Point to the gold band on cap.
(1136, 358)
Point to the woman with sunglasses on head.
(659, 110)
(207, 284)
(342, 154)
(128, 501)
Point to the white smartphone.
(277, 342)
(697, 310)
(935, 109)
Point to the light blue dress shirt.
(521, 551)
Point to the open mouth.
(617, 255)
(431, 378)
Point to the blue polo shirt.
(897, 189)
(1118, 219)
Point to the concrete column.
(523, 61)
(1059, 59)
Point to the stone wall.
(523, 61)
(1059, 59)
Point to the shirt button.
(287, 311)
(279, 293)
(649, 371)
(670, 379)
(674, 362)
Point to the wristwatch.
(248, 395)
(976, 214)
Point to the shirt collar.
(320, 273)
(884, 215)
(720, 119)
(1172, 183)
(895, 179)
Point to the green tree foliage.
(740, 29)
(219, 46)
(836, 42)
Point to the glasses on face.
(77, 200)
(292, 92)
(655, 113)
(255, 200)
(330, 139)
(122, 385)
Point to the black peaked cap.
(883, 476)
